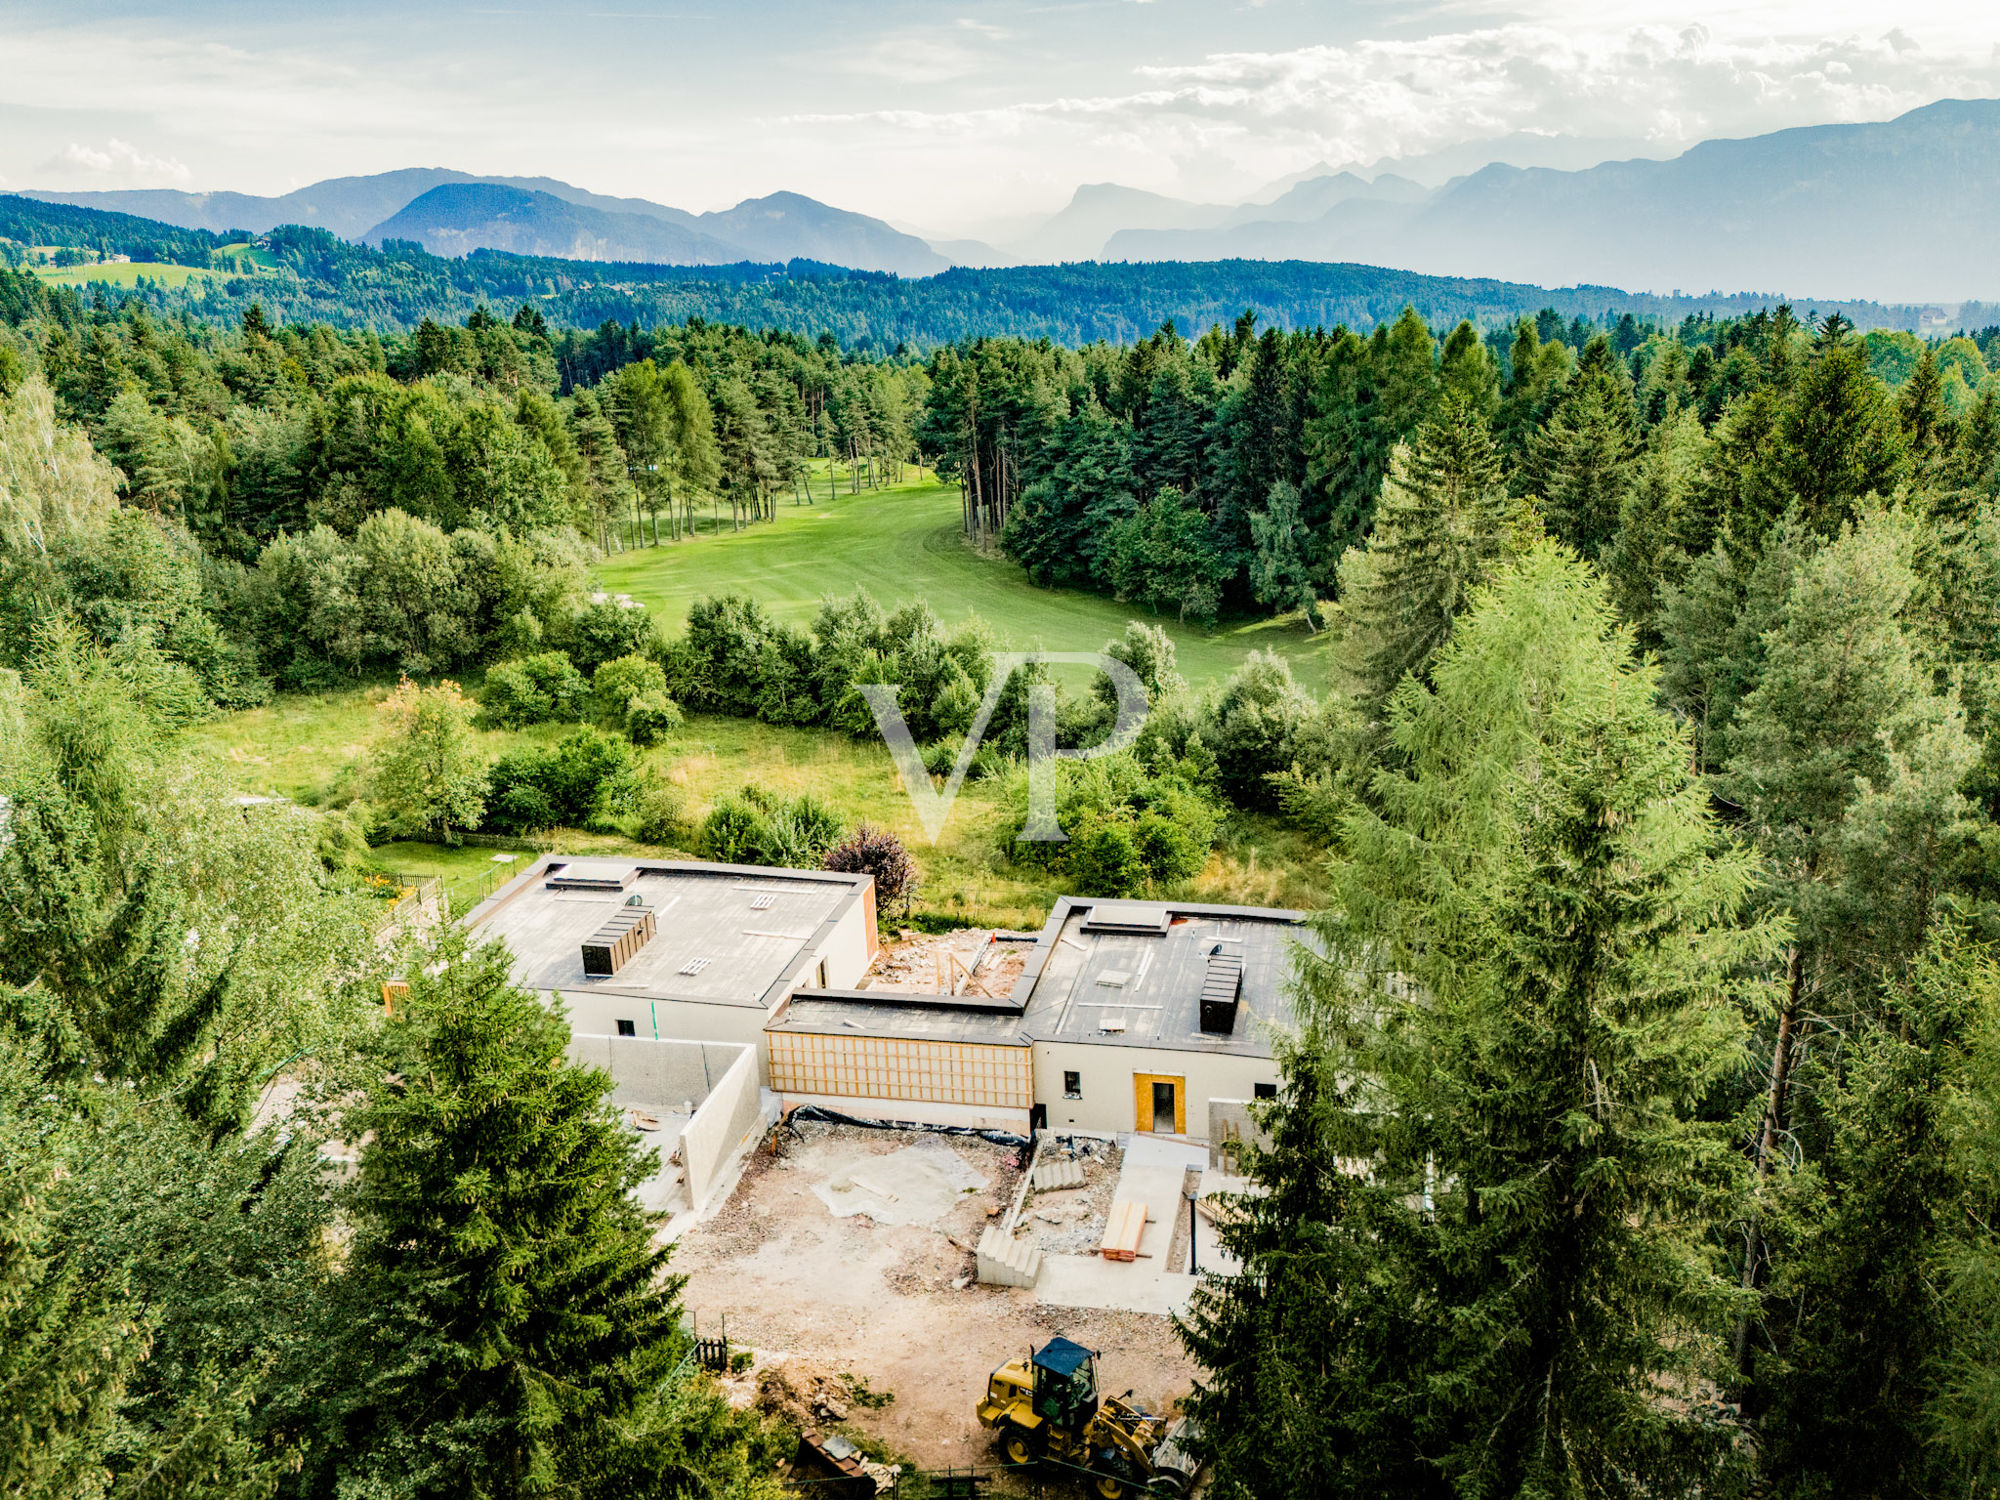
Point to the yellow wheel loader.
(1045, 1408)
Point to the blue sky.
(949, 117)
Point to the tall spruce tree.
(1444, 519)
(1524, 986)
(1581, 465)
(509, 1309)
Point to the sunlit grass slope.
(905, 543)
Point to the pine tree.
(1838, 439)
(1929, 433)
(1281, 567)
(1648, 551)
(1443, 521)
(1301, 1350)
(509, 1308)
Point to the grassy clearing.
(904, 543)
(124, 274)
(313, 748)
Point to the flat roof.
(1142, 988)
(743, 929)
(892, 1017)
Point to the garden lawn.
(906, 542)
(313, 748)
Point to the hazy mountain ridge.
(453, 212)
(1825, 208)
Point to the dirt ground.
(894, 1306)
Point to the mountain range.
(1907, 209)
(451, 213)
(1904, 210)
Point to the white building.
(1127, 1016)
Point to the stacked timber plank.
(1124, 1226)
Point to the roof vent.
(606, 951)
(1128, 917)
(1221, 987)
(695, 965)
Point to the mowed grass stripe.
(904, 543)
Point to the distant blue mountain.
(1904, 210)
(452, 213)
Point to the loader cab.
(1065, 1385)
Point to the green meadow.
(314, 749)
(906, 542)
(900, 543)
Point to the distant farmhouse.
(701, 984)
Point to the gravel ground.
(895, 1305)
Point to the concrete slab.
(1151, 1172)
(1089, 1281)
(919, 1184)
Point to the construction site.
(938, 1197)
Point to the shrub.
(1160, 814)
(733, 833)
(607, 630)
(535, 689)
(1104, 860)
(585, 780)
(615, 684)
(651, 717)
(878, 852)
(1255, 727)
(798, 834)
(660, 807)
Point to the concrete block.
(1006, 1261)
(1052, 1176)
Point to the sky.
(950, 118)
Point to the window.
(627, 1028)
(1072, 1085)
(1265, 1090)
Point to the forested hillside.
(316, 276)
(1655, 788)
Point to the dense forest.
(311, 275)
(1656, 786)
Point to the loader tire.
(1018, 1447)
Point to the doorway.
(1159, 1103)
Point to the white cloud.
(1234, 116)
(116, 164)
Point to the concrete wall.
(729, 1118)
(848, 949)
(595, 1013)
(667, 1074)
(1229, 1125)
(1106, 1073)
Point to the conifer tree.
(509, 1308)
(1303, 1351)
(1582, 462)
(1524, 986)
(1443, 521)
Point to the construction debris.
(975, 961)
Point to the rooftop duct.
(607, 950)
(1221, 988)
